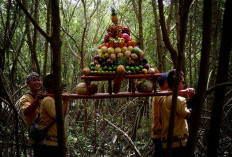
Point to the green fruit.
(114, 67)
(110, 69)
(92, 64)
(127, 68)
(137, 69)
(129, 72)
(136, 50)
(147, 86)
(132, 69)
(97, 67)
(140, 67)
(105, 68)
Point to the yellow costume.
(180, 134)
(47, 115)
(156, 127)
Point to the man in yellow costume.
(49, 146)
(30, 102)
(156, 127)
(180, 134)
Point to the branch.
(208, 91)
(33, 21)
(21, 88)
(71, 50)
(125, 134)
(166, 39)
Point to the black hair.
(48, 81)
(171, 77)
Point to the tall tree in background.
(138, 12)
(56, 43)
(48, 31)
(222, 77)
(160, 46)
(184, 6)
(32, 41)
(56, 66)
(203, 77)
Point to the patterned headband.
(32, 75)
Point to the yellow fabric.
(25, 101)
(47, 115)
(156, 127)
(180, 125)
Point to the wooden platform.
(131, 90)
(130, 78)
(122, 94)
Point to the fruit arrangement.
(118, 54)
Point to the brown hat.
(32, 75)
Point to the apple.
(124, 48)
(104, 49)
(125, 36)
(110, 50)
(144, 71)
(127, 54)
(106, 55)
(99, 51)
(141, 53)
(102, 56)
(112, 56)
(130, 48)
(117, 50)
(120, 55)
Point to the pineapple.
(114, 17)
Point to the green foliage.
(98, 19)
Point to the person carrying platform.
(156, 127)
(30, 102)
(180, 134)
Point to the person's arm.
(181, 108)
(33, 105)
(65, 98)
(31, 108)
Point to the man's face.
(182, 83)
(35, 84)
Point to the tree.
(222, 77)
(203, 77)
(138, 12)
(184, 6)
(56, 66)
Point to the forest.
(63, 36)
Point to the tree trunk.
(33, 50)
(56, 66)
(160, 48)
(48, 31)
(184, 10)
(83, 35)
(138, 12)
(190, 52)
(203, 77)
(222, 77)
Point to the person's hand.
(39, 95)
(65, 97)
(190, 92)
